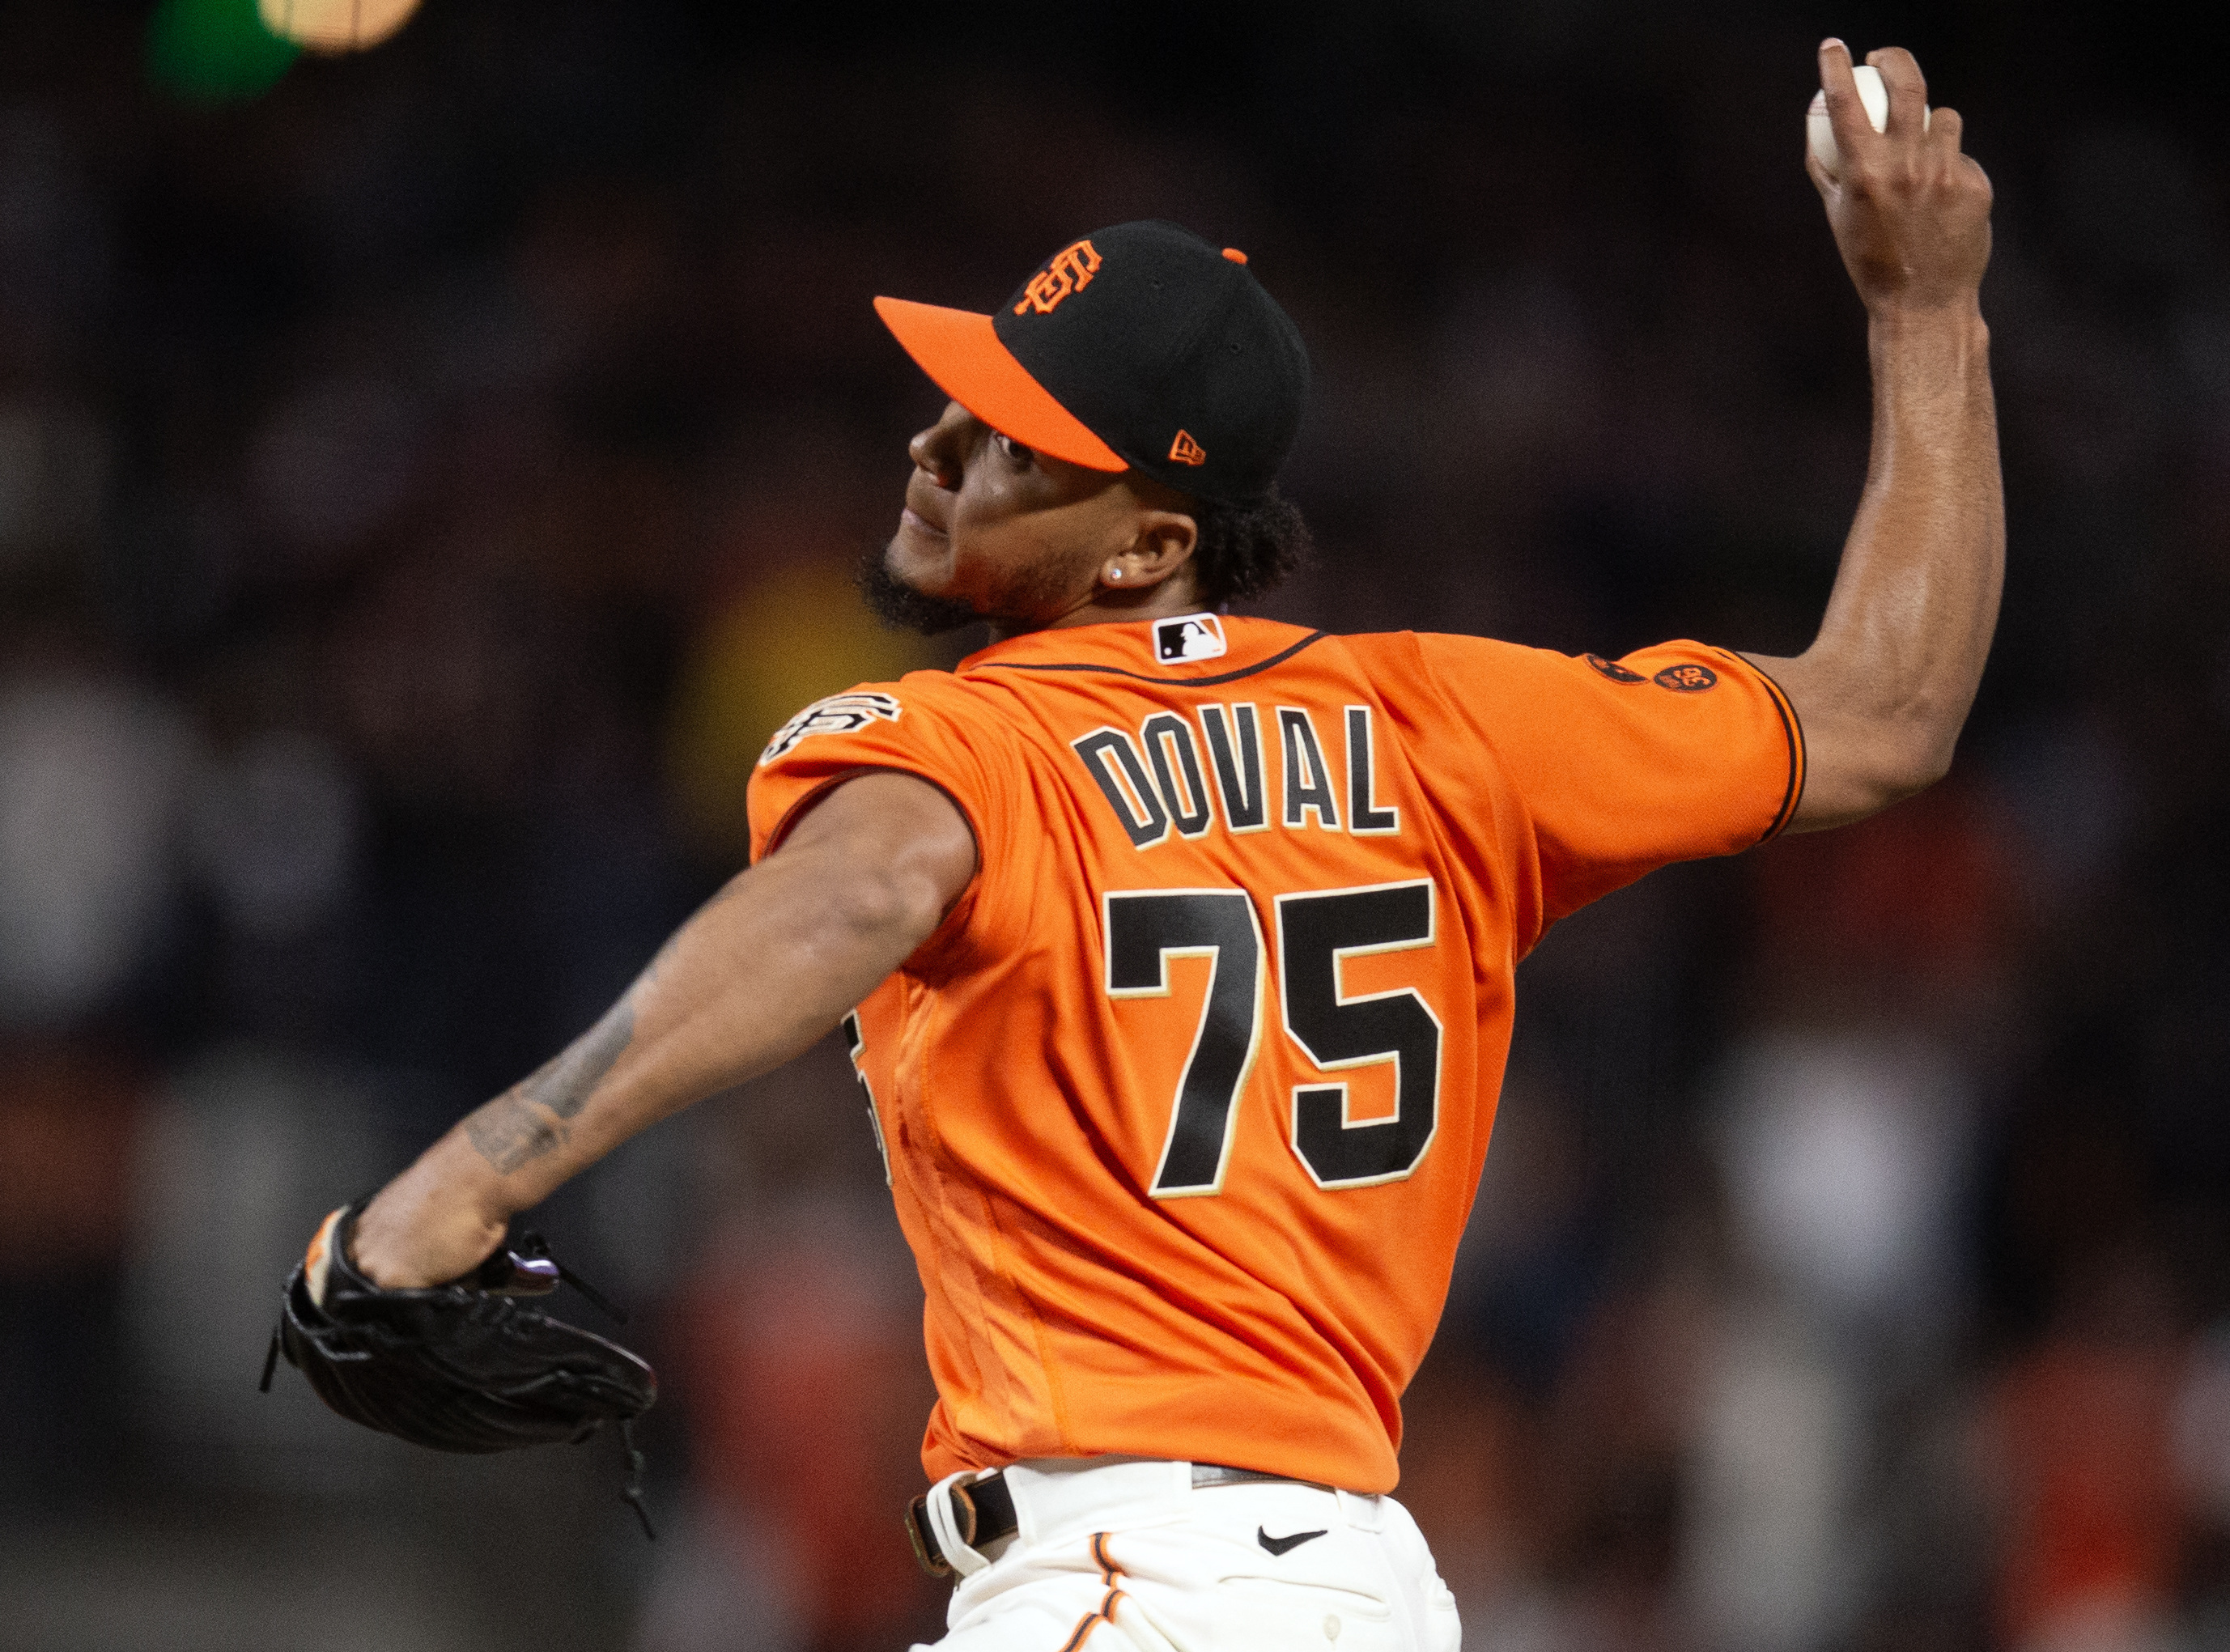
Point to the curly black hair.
(1245, 549)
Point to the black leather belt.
(983, 1508)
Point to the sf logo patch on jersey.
(838, 714)
(1194, 637)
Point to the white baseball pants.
(1119, 1555)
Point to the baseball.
(1820, 131)
(335, 25)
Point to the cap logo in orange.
(1071, 271)
(1185, 451)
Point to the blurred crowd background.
(426, 477)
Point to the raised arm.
(1885, 685)
(769, 966)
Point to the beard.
(902, 608)
(1023, 595)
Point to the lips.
(922, 491)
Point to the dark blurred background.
(426, 477)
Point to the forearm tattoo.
(508, 1133)
(529, 1120)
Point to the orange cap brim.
(961, 351)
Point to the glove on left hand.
(464, 1366)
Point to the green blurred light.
(214, 51)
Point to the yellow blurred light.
(335, 25)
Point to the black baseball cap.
(1140, 346)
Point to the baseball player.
(1174, 949)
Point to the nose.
(932, 455)
(924, 457)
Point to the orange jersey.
(1185, 1103)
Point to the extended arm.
(1885, 685)
(768, 966)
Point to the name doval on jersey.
(1155, 782)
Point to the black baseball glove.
(464, 1366)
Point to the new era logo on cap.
(1194, 637)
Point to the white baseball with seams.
(1820, 131)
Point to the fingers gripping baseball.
(1908, 90)
(1909, 211)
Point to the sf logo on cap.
(1196, 636)
(1071, 271)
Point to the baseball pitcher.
(1174, 949)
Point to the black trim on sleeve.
(1166, 682)
(1792, 729)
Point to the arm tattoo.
(512, 1129)
(507, 1133)
(565, 1084)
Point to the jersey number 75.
(1316, 932)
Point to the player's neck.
(1110, 607)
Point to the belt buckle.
(923, 1535)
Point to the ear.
(1160, 548)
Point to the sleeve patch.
(1615, 673)
(1686, 679)
(838, 714)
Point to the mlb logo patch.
(1196, 636)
